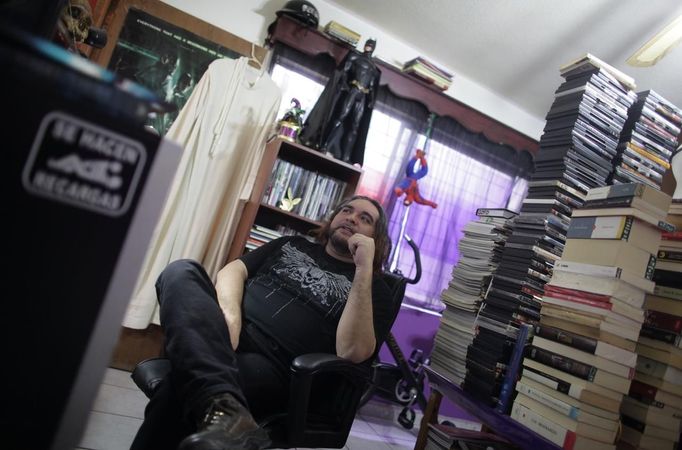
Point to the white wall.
(249, 20)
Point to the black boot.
(227, 425)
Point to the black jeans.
(197, 342)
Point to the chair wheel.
(406, 418)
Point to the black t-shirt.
(296, 293)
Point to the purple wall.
(416, 328)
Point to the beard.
(339, 242)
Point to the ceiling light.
(657, 47)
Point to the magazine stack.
(480, 251)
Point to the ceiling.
(515, 47)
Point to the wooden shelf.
(309, 41)
(311, 159)
(289, 215)
(271, 216)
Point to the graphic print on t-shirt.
(302, 274)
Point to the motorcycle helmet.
(301, 10)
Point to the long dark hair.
(382, 243)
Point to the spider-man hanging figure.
(408, 185)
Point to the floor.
(118, 410)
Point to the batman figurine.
(338, 122)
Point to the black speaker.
(84, 183)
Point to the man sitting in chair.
(231, 345)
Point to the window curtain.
(466, 171)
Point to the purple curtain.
(466, 172)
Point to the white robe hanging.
(223, 129)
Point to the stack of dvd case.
(648, 140)
(577, 152)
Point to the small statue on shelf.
(290, 124)
(289, 201)
(338, 122)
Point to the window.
(463, 175)
(295, 85)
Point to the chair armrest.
(324, 387)
(313, 363)
(148, 374)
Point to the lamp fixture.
(658, 46)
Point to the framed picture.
(164, 49)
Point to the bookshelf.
(258, 212)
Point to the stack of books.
(445, 437)
(428, 72)
(338, 31)
(260, 235)
(583, 354)
(480, 250)
(576, 153)
(652, 412)
(583, 127)
(648, 140)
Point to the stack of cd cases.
(578, 150)
(648, 141)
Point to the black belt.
(362, 89)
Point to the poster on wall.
(164, 58)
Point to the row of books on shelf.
(426, 71)
(259, 235)
(342, 33)
(301, 191)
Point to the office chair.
(324, 394)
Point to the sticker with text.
(82, 164)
